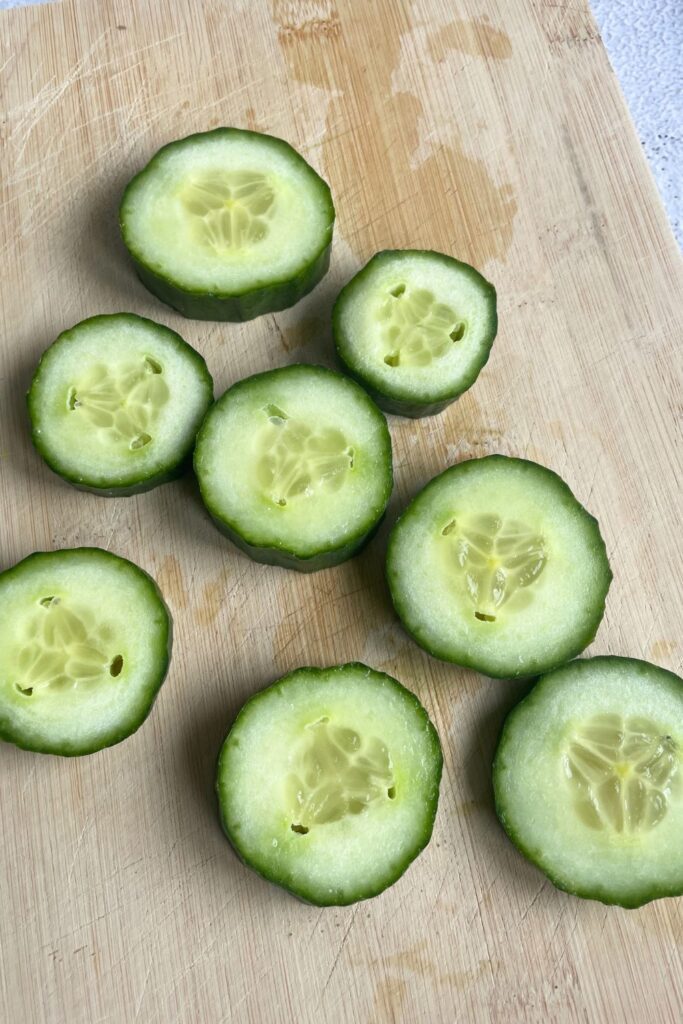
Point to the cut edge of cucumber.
(403, 401)
(655, 892)
(132, 485)
(300, 892)
(464, 660)
(135, 721)
(242, 304)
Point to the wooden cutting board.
(494, 131)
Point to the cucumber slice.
(496, 566)
(415, 328)
(294, 465)
(116, 402)
(228, 225)
(588, 779)
(328, 782)
(85, 642)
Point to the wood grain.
(494, 131)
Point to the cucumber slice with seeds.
(415, 328)
(228, 225)
(116, 402)
(328, 782)
(294, 465)
(588, 779)
(496, 566)
(85, 643)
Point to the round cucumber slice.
(294, 465)
(415, 328)
(588, 779)
(496, 566)
(228, 225)
(328, 782)
(116, 402)
(85, 643)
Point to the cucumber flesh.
(415, 328)
(496, 566)
(295, 466)
(116, 402)
(228, 225)
(328, 782)
(85, 643)
(588, 779)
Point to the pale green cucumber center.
(228, 210)
(498, 561)
(65, 648)
(121, 402)
(337, 773)
(621, 772)
(416, 329)
(294, 460)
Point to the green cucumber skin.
(300, 892)
(267, 555)
(241, 306)
(396, 406)
(134, 485)
(119, 492)
(287, 560)
(499, 767)
(392, 402)
(235, 308)
(133, 724)
(537, 667)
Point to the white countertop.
(644, 40)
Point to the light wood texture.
(491, 130)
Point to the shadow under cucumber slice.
(85, 643)
(588, 779)
(328, 782)
(294, 465)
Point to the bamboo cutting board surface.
(490, 130)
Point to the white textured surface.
(644, 40)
